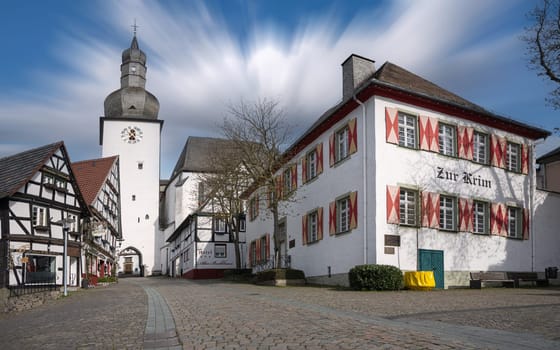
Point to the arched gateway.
(130, 262)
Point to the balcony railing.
(284, 262)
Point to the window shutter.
(352, 136)
(465, 215)
(304, 229)
(353, 210)
(465, 144)
(525, 159)
(279, 187)
(319, 158)
(526, 215)
(294, 177)
(498, 147)
(428, 134)
(267, 247)
(426, 206)
(251, 253)
(497, 219)
(393, 204)
(391, 125)
(331, 150)
(320, 223)
(332, 218)
(434, 210)
(258, 248)
(303, 169)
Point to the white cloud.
(196, 66)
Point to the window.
(253, 208)
(311, 165)
(73, 226)
(264, 256)
(312, 226)
(514, 222)
(480, 148)
(341, 144)
(48, 180)
(133, 197)
(447, 213)
(253, 253)
(40, 269)
(343, 214)
(407, 130)
(512, 157)
(220, 250)
(140, 165)
(287, 180)
(201, 194)
(480, 217)
(219, 225)
(39, 217)
(447, 139)
(408, 207)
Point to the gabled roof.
(91, 175)
(18, 169)
(199, 153)
(551, 156)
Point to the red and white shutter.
(258, 246)
(426, 204)
(526, 218)
(498, 151)
(303, 169)
(353, 210)
(319, 158)
(251, 253)
(465, 215)
(304, 229)
(393, 204)
(320, 223)
(428, 134)
(433, 211)
(294, 177)
(352, 136)
(525, 159)
(498, 216)
(332, 218)
(465, 142)
(279, 186)
(267, 246)
(392, 125)
(331, 150)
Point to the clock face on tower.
(131, 134)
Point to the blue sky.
(61, 59)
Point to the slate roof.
(18, 169)
(91, 175)
(198, 153)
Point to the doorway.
(432, 260)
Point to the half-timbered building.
(38, 191)
(405, 173)
(196, 237)
(99, 183)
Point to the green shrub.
(107, 279)
(375, 277)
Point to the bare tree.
(260, 132)
(543, 39)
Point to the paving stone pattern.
(162, 313)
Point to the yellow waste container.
(419, 280)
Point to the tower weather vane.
(134, 27)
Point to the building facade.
(38, 190)
(131, 129)
(405, 173)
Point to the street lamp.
(65, 227)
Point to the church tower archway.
(131, 263)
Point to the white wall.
(546, 230)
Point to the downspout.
(364, 176)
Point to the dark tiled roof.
(91, 175)
(18, 169)
(551, 156)
(199, 153)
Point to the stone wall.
(25, 302)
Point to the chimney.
(355, 70)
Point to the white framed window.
(447, 213)
(408, 207)
(40, 269)
(312, 226)
(220, 225)
(480, 217)
(341, 144)
(480, 147)
(48, 179)
(447, 139)
(73, 226)
(287, 180)
(220, 251)
(514, 222)
(343, 214)
(39, 216)
(140, 165)
(512, 157)
(407, 130)
(311, 165)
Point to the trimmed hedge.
(375, 277)
(279, 274)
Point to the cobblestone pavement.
(222, 315)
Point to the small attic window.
(132, 107)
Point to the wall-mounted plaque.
(392, 240)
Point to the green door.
(432, 260)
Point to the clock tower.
(131, 129)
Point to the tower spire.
(134, 27)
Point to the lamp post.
(65, 227)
